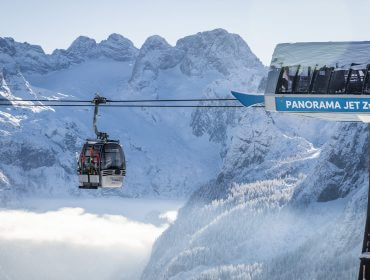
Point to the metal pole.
(94, 120)
(364, 273)
(98, 100)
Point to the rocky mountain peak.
(218, 50)
(155, 54)
(7, 46)
(25, 56)
(154, 42)
(11, 47)
(82, 46)
(118, 47)
(117, 37)
(119, 40)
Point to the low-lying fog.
(104, 238)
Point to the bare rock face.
(342, 167)
(115, 47)
(28, 57)
(216, 50)
(118, 48)
(82, 48)
(155, 55)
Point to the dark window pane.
(287, 79)
(321, 80)
(92, 150)
(88, 150)
(367, 83)
(112, 157)
(356, 81)
(90, 158)
(303, 80)
(338, 81)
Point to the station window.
(338, 81)
(286, 82)
(321, 80)
(303, 80)
(367, 82)
(272, 79)
(356, 81)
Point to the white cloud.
(170, 216)
(71, 244)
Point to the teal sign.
(323, 104)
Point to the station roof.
(335, 54)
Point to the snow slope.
(275, 211)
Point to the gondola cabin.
(102, 161)
(323, 80)
(101, 164)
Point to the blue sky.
(55, 24)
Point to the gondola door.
(90, 166)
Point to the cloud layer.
(71, 244)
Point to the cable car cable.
(125, 106)
(176, 100)
(122, 101)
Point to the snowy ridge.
(217, 50)
(32, 58)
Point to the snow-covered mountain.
(32, 59)
(166, 155)
(288, 204)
